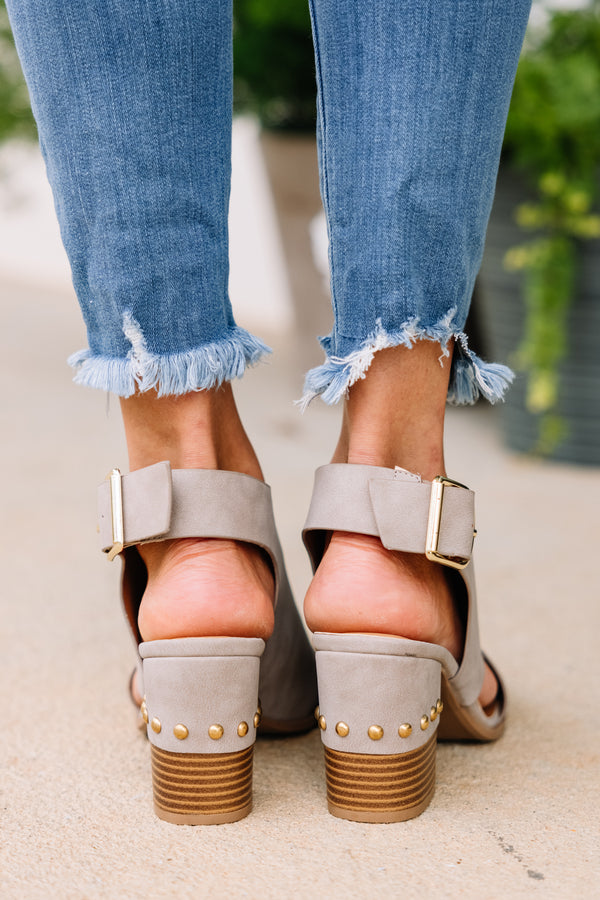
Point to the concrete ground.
(516, 819)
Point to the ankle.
(395, 415)
(423, 461)
(200, 430)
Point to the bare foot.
(362, 587)
(203, 587)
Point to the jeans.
(133, 103)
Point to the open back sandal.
(383, 700)
(200, 694)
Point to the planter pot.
(501, 309)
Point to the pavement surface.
(516, 819)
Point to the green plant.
(16, 119)
(273, 56)
(553, 136)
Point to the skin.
(200, 587)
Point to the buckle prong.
(116, 513)
(432, 540)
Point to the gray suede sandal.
(381, 698)
(200, 705)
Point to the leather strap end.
(147, 506)
(401, 510)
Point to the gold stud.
(322, 723)
(243, 729)
(342, 729)
(405, 730)
(144, 711)
(440, 707)
(155, 725)
(215, 732)
(424, 723)
(433, 713)
(375, 732)
(180, 732)
(317, 713)
(259, 710)
(256, 719)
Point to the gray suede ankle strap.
(391, 504)
(159, 503)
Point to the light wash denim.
(133, 101)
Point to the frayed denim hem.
(470, 376)
(199, 369)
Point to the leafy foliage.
(274, 72)
(16, 119)
(553, 136)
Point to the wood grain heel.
(392, 788)
(202, 788)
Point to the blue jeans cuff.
(198, 369)
(470, 376)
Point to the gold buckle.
(433, 524)
(116, 513)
